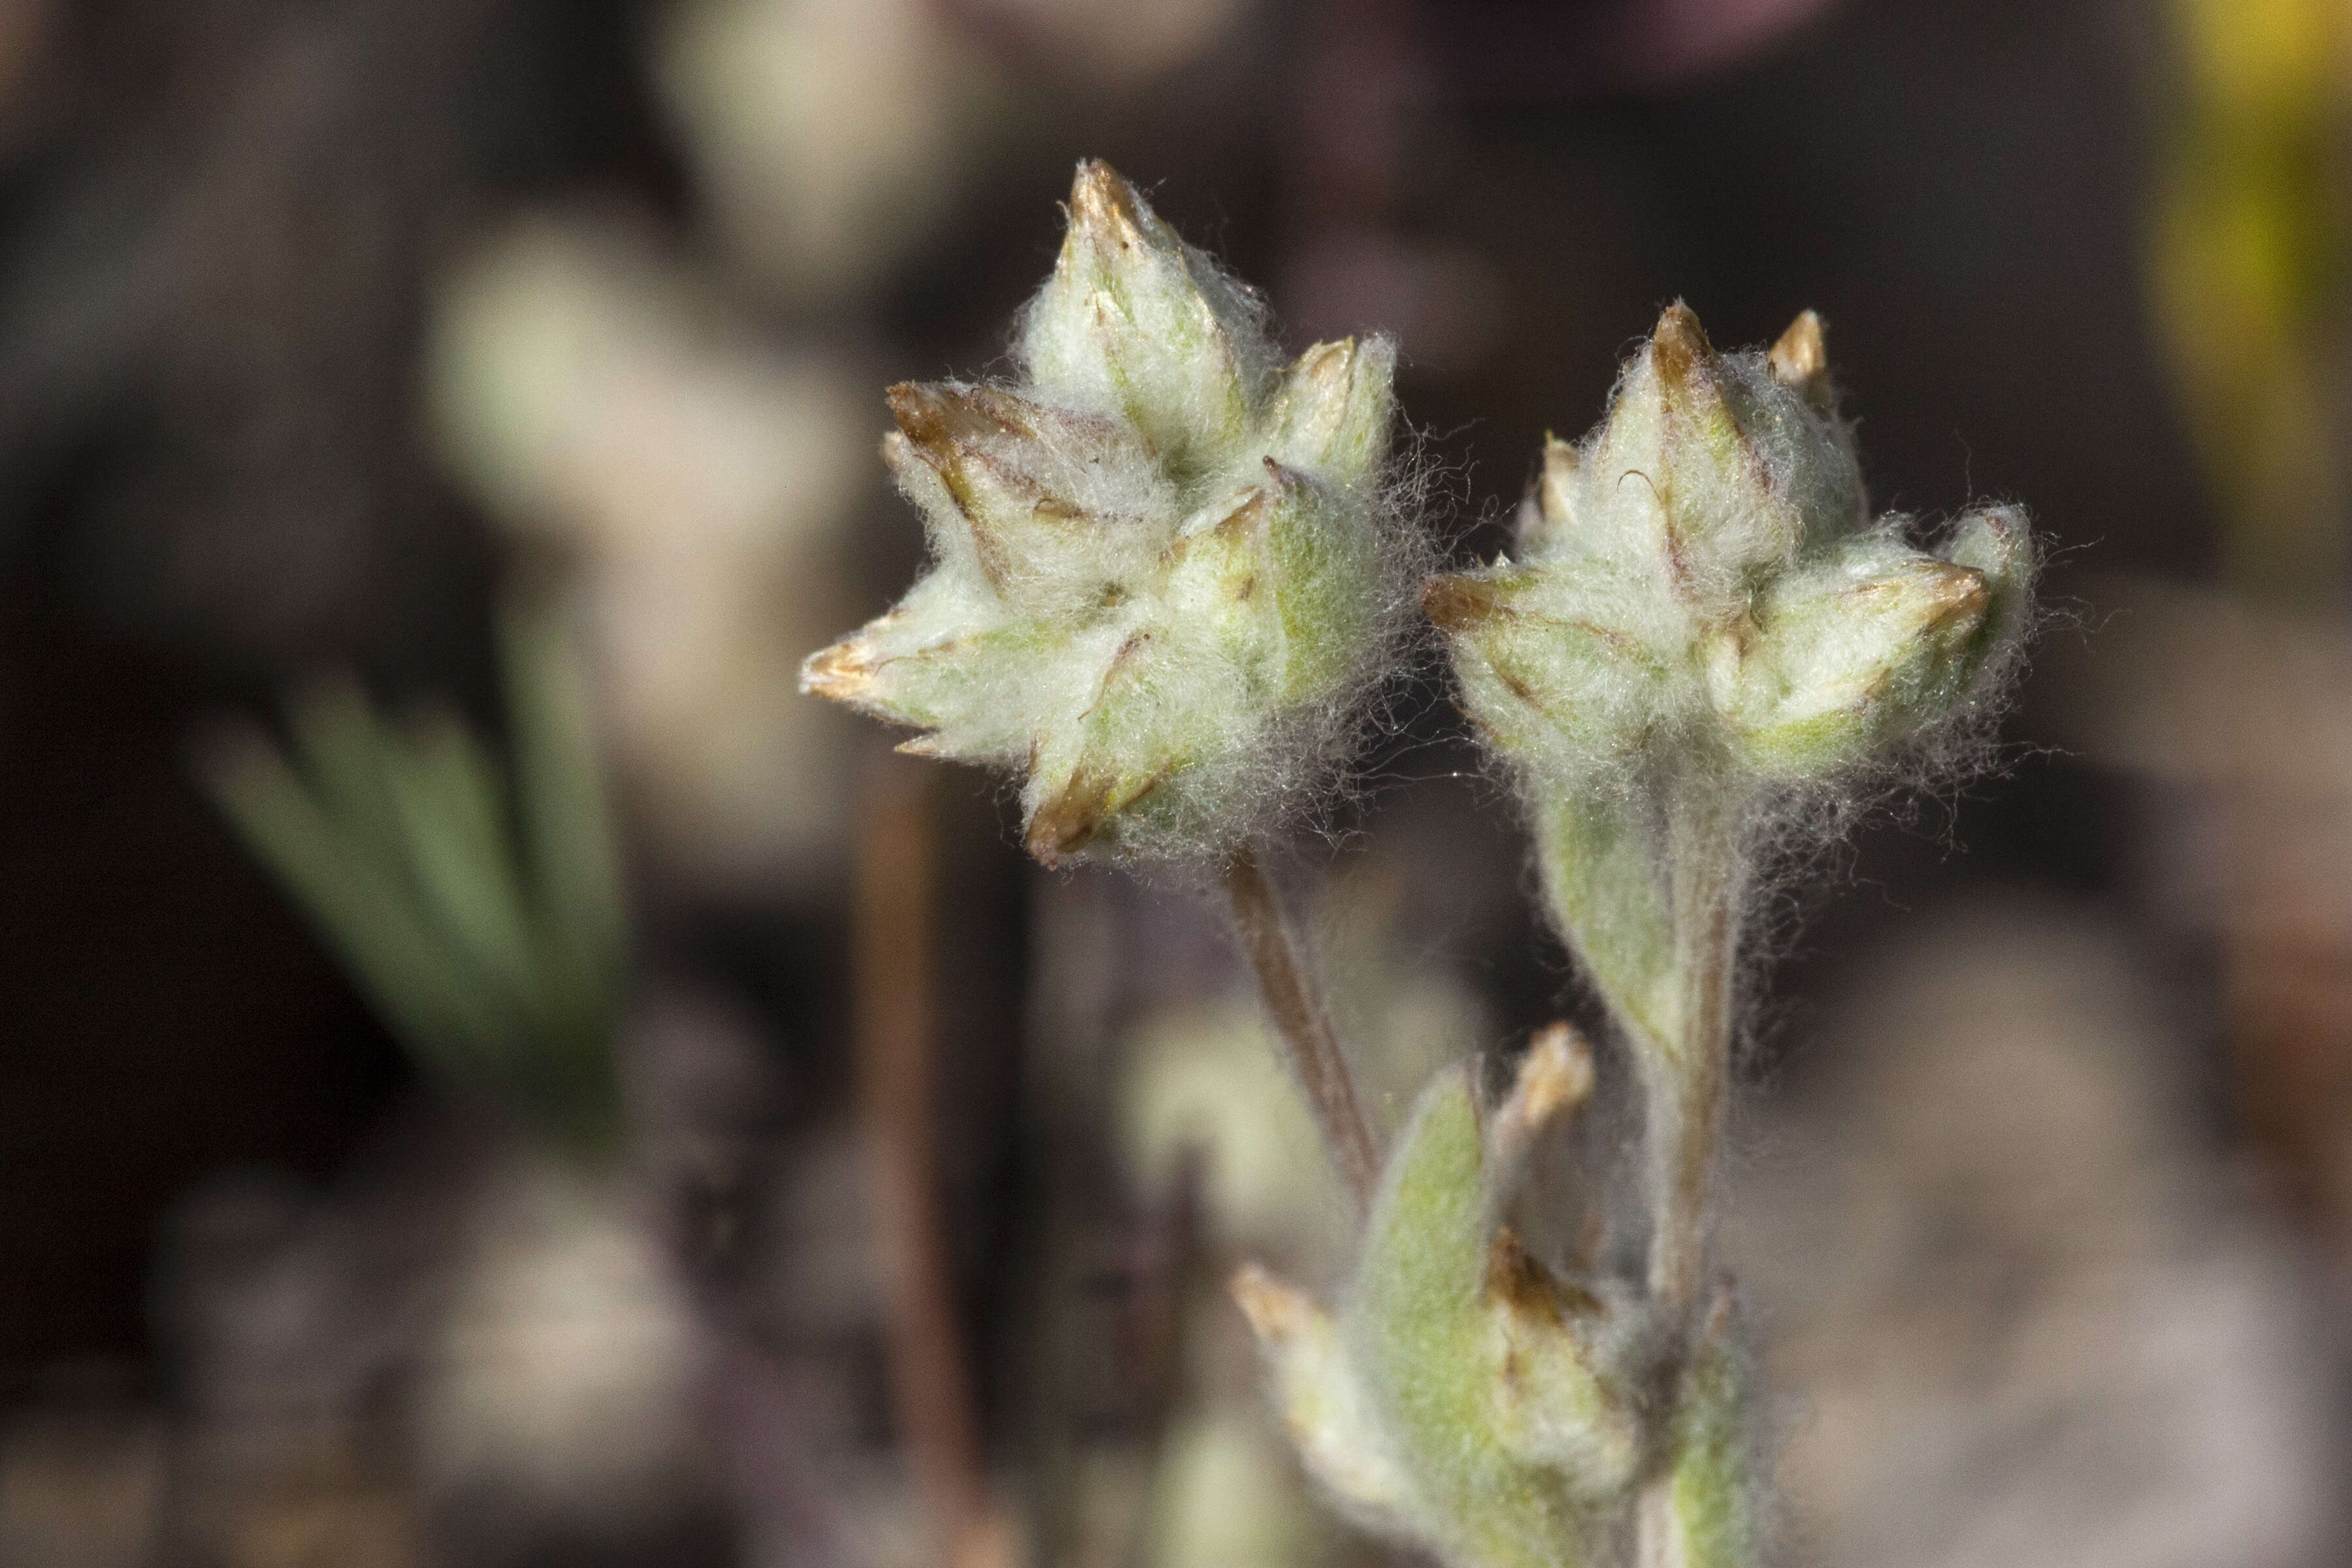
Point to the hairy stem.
(1688, 1081)
(929, 1387)
(1688, 1087)
(1287, 981)
(1658, 1533)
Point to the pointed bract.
(1548, 516)
(1065, 510)
(1998, 543)
(1554, 1078)
(1800, 360)
(1847, 658)
(1332, 413)
(1138, 324)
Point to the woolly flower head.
(1700, 584)
(1163, 566)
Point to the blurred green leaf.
(568, 854)
(487, 925)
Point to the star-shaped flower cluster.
(1163, 565)
(1701, 576)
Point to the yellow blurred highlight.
(2246, 246)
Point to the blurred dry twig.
(930, 1388)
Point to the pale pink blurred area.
(1657, 41)
(1587, 46)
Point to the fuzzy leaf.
(1478, 1376)
(1602, 858)
(1847, 657)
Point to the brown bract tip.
(1679, 346)
(922, 411)
(1561, 459)
(1555, 493)
(1328, 362)
(1801, 354)
(934, 415)
(1518, 1282)
(1960, 594)
(1516, 1279)
(1277, 1313)
(1067, 822)
(1800, 360)
(1102, 203)
(1554, 1076)
(1454, 604)
(1247, 517)
(839, 673)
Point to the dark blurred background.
(324, 324)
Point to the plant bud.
(1490, 1383)
(1162, 570)
(1324, 1408)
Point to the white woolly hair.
(1810, 461)
(1794, 826)
(1151, 402)
(1274, 768)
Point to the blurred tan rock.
(80, 1489)
(566, 1365)
(1228, 1495)
(2017, 1313)
(2236, 714)
(829, 135)
(699, 481)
